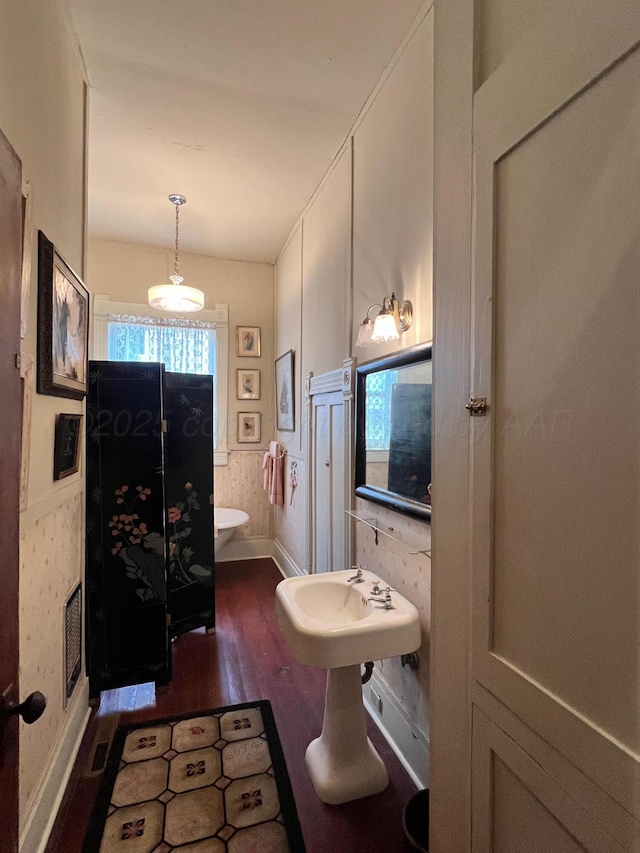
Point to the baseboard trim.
(284, 561)
(39, 823)
(410, 744)
(247, 548)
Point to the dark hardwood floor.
(248, 658)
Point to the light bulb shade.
(385, 328)
(175, 297)
(364, 334)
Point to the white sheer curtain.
(183, 347)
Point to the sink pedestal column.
(343, 763)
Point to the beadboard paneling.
(238, 485)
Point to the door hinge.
(164, 426)
(18, 360)
(477, 407)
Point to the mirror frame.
(413, 355)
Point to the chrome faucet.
(357, 578)
(388, 604)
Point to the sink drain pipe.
(368, 669)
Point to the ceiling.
(240, 105)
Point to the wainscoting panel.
(238, 485)
(51, 558)
(291, 518)
(410, 574)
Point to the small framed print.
(248, 427)
(66, 446)
(248, 341)
(248, 384)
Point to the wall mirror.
(393, 431)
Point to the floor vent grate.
(72, 640)
(105, 731)
(100, 756)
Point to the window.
(184, 344)
(181, 347)
(378, 404)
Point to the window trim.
(104, 306)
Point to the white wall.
(392, 193)
(42, 113)
(290, 533)
(368, 231)
(124, 272)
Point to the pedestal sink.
(331, 623)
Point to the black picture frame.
(63, 326)
(66, 451)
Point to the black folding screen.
(189, 487)
(150, 568)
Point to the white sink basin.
(330, 622)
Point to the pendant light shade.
(176, 297)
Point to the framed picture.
(248, 384)
(248, 427)
(66, 446)
(284, 392)
(249, 341)
(63, 314)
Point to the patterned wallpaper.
(51, 565)
(377, 474)
(291, 518)
(238, 485)
(410, 574)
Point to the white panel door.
(336, 473)
(555, 463)
(329, 519)
(321, 498)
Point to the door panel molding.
(489, 742)
(565, 55)
(606, 810)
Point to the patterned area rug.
(211, 782)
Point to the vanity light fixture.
(176, 296)
(393, 318)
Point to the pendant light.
(176, 296)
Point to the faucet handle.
(388, 603)
(377, 591)
(357, 578)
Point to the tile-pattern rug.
(211, 782)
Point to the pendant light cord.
(176, 269)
